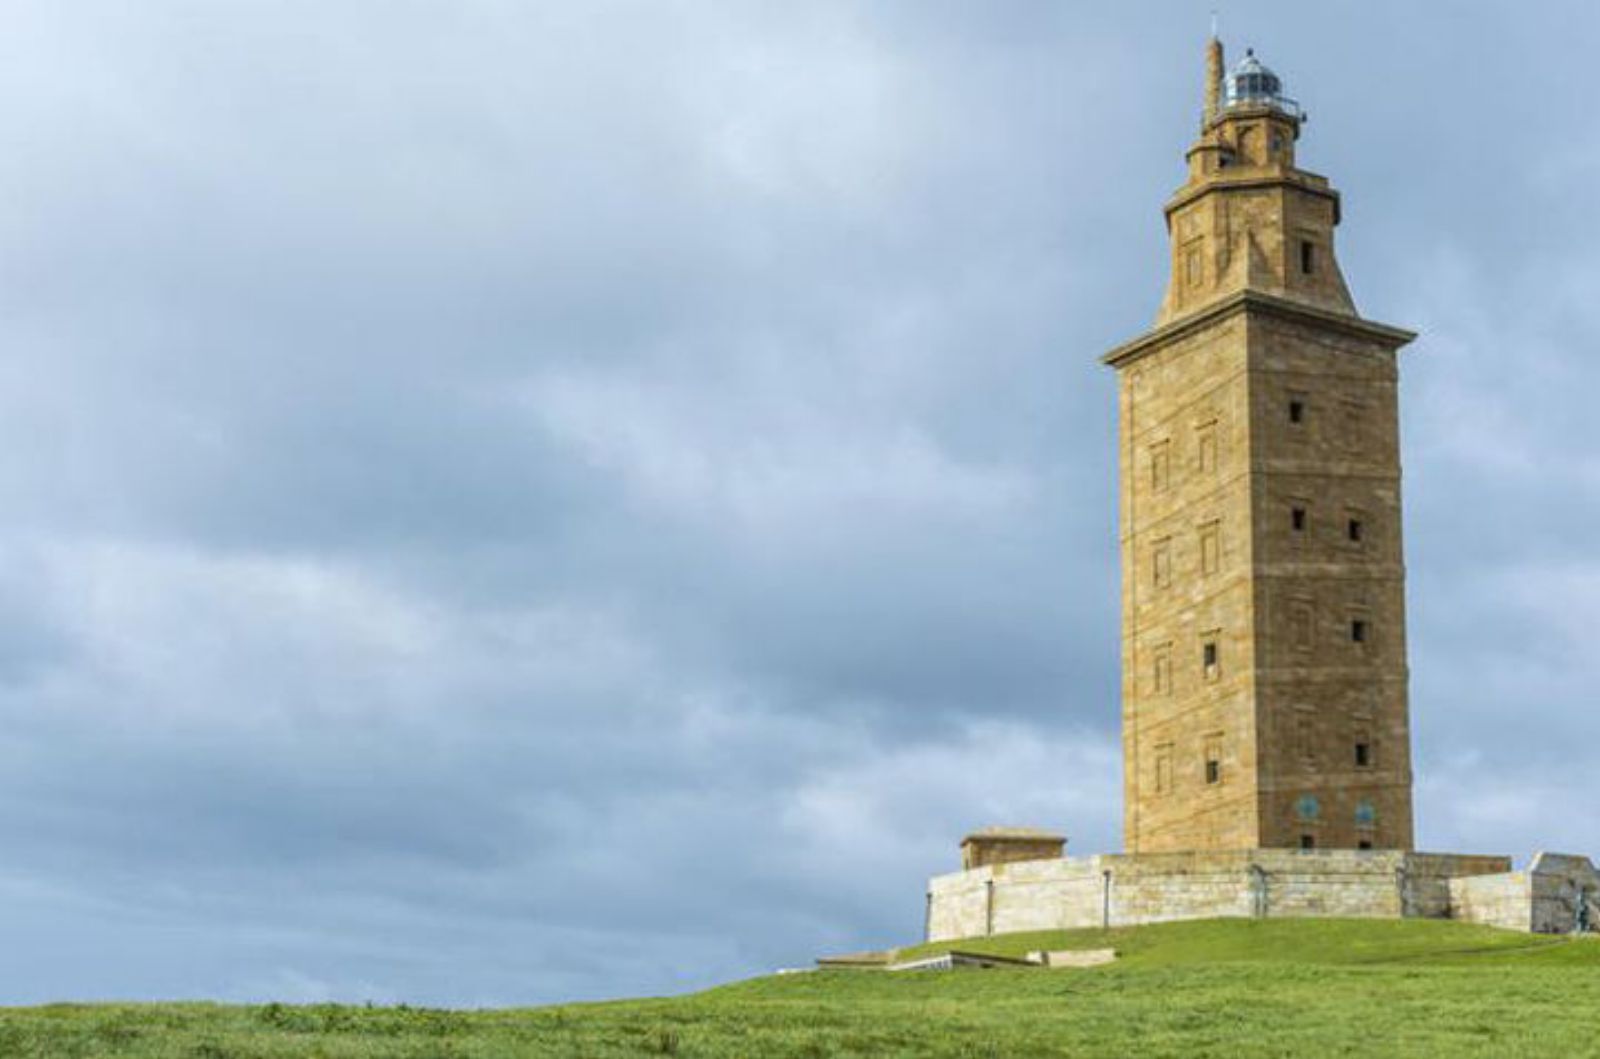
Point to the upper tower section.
(1249, 218)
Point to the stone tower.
(1263, 599)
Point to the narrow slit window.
(1302, 616)
(1308, 256)
(1305, 738)
(1297, 519)
(1161, 564)
(1297, 411)
(1210, 548)
(1160, 466)
(1358, 630)
(1355, 531)
(1206, 448)
(1363, 755)
(1353, 435)
(1164, 769)
(1211, 655)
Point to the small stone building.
(1008, 845)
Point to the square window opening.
(1365, 843)
(1358, 630)
(1297, 411)
(1308, 841)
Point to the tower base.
(1557, 894)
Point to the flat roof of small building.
(1015, 834)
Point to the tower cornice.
(1298, 179)
(1245, 301)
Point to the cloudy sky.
(506, 501)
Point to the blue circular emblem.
(1308, 807)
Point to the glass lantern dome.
(1251, 83)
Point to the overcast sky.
(511, 500)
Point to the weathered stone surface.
(1266, 735)
(1264, 673)
(1005, 845)
(1130, 889)
(1558, 894)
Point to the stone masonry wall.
(1504, 900)
(1124, 890)
(1429, 876)
(1263, 598)
(1264, 700)
(1558, 894)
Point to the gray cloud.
(509, 504)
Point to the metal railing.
(1284, 103)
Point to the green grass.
(1232, 988)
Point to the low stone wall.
(1429, 875)
(1558, 894)
(1504, 900)
(1128, 889)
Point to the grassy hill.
(1233, 988)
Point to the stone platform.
(1556, 894)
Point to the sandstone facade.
(1005, 845)
(1266, 734)
(1264, 674)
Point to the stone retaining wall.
(1128, 889)
(1558, 894)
